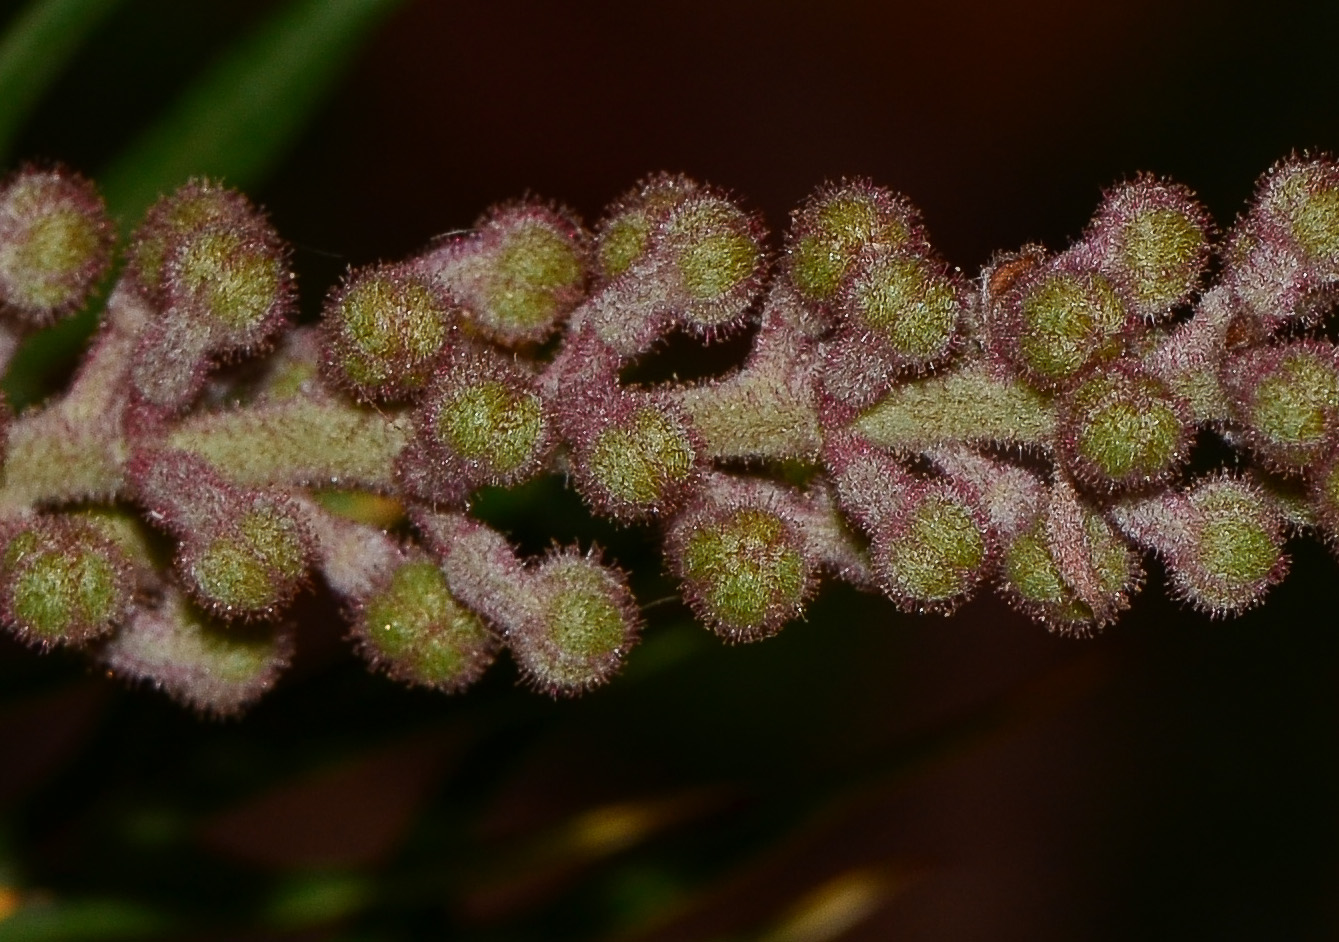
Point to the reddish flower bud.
(829, 231)
(1287, 399)
(412, 627)
(55, 243)
(243, 554)
(1058, 321)
(578, 628)
(198, 205)
(636, 456)
(61, 581)
(1122, 427)
(518, 275)
(386, 328)
(1072, 579)
(931, 552)
(1151, 238)
(1282, 262)
(743, 562)
(216, 669)
(627, 233)
(482, 422)
(1222, 541)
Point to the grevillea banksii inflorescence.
(894, 425)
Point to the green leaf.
(33, 52)
(87, 919)
(239, 119)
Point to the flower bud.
(637, 459)
(1287, 398)
(243, 554)
(1302, 197)
(518, 275)
(931, 552)
(482, 422)
(1234, 552)
(1222, 541)
(196, 206)
(1282, 261)
(413, 628)
(1059, 321)
(216, 669)
(55, 243)
(581, 623)
(1152, 239)
(829, 231)
(1074, 580)
(251, 567)
(1122, 427)
(386, 328)
(906, 304)
(627, 233)
(62, 581)
(716, 251)
(743, 565)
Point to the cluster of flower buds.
(895, 424)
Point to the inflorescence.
(894, 425)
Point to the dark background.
(1174, 777)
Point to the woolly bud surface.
(1123, 427)
(744, 570)
(1033, 577)
(253, 566)
(584, 624)
(197, 205)
(717, 251)
(55, 243)
(1154, 238)
(385, 328)
(1304, 197)
(218, 670)
(904, 302)
(1061, 322)
(230, 282)
(518, 275)
(1236, 548)
(1288, 399)
(932, 552)
(62, 582)
(830, 229)
(626, 234)
(414, 629)
(639, 466)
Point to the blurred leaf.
(316, 898)
(239, 118)
(75, 920)
(236, 121)
(33, 52)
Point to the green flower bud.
(744, 569)
(932, 551)
(829, 231)
(413, 628)
(1234, 549)
(1122, 427)
(1059, 322)
(62, 582)
(385, 330)
(638, 465)
(583, 622)
(251, 566)
(1287, 397)
(55, 243)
